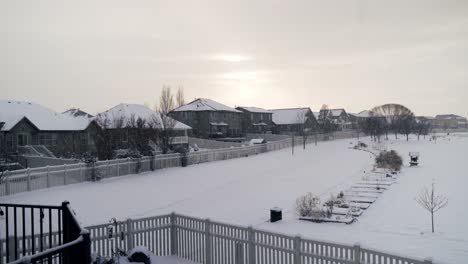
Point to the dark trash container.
(276, 214)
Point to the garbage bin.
(276, 214)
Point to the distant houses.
(293, 120)
(32, 129)
(210, 119)
(450, 121)
(256, 120)
(339, 117)
(134, 125)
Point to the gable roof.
(124, 112)
(12, 112)
(288, 116)
(202, 104)
(450, 116)
(76, 112)
(253, 109)
(334, 112)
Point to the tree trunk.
(432, 221)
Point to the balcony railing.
(42, 234)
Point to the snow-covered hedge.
(389, 160)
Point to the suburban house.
(126, 122)
(210, 119)
(293, 120)
(34, 130)
(256, 120)
(339, 117)
(450, 121)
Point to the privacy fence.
(31, 179)
(208, 242)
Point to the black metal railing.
(42, 234)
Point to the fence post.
(130, 234)
(118, 167)
(7, 183)
(297, 249)
(81, 171)
(29, 179)
(251, 245)
(107, 169)
(48, 176)
(174, 242)
(64, 174)
(208, 241)
(357, 253)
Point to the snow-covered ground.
(241, 191)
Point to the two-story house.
(339, 117)
(256, 120)
(293, 120)
(209, 119)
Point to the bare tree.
(396, 116)
(431, 202)
(180, 97)
(104, 138)
(324, 120)
(166, 105)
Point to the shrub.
(389, 160)
(309, 205)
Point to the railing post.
(7, 183)
(85, 254)
(357, 253)
(48, 176)
(130, 244)
(251, 245)
(297, 249)
(208, 241)
(174, 242)
(29, 180)
(239, 253)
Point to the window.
(48, 139)
(251, 117)
(22, 139)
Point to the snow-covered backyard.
(241, 191)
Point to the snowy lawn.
(241, 191)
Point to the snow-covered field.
(241, 191)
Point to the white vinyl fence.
(208, 242)
(45, 177)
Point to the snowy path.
(241, 191)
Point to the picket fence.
(31, 179)
(208, 242)
(45, 177)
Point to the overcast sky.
(354, 54)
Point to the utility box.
(276, 214)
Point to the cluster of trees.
(395, 119)
(139, 136)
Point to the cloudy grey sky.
(351, 53)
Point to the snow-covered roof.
(254, 109)
(123, 113)
(76, 112)
(366, 114)
(202, 104)
(12, 112)
(450, 116)
(289, 116)
(336, 112)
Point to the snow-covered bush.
(337, 201)
(309, 205)
(389, 160)
(360, 145)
